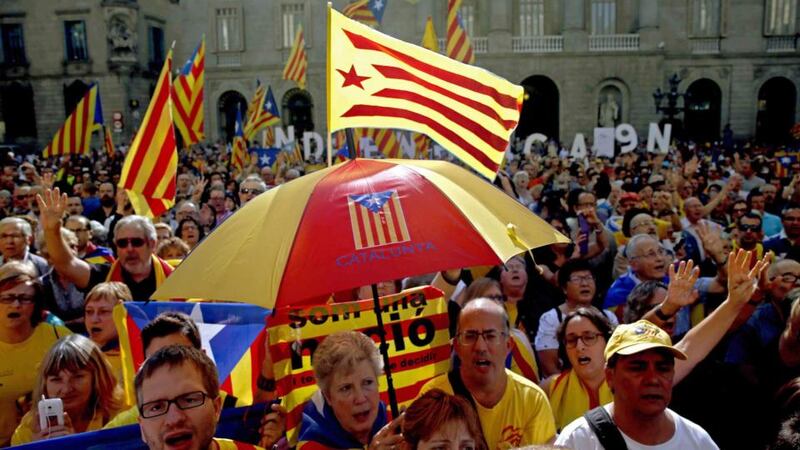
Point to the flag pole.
(351, 143)
(328, 88)
(384, 348)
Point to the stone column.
(500, 24)
(649, 32)
(576, 35)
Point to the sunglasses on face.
(250, 191)
(747, 227)
(133, 242)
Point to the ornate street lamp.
(671, 109)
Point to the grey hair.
(256, 179)
(635, 241)
(639, 300)
(142, 223)
(21, 223)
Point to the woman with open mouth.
(24, 339)
(346, 411)
(75, 371)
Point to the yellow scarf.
(570, 398)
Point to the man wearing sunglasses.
(177, 393)
(250, 188)
(135, 240)
(749, 235)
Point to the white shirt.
(688, 436)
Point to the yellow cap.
(636, 337)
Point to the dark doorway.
(776, 110)
(540, 108)
(298, 110)
(73, 94)
(703, 108)
(228, 103)
(18, 112)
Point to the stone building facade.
(583, 63)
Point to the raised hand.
(681, 291)
(52, 204)
(742, 280)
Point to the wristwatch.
(266, 384)
(660, 314)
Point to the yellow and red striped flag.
(187, 97)
(239, 152)
(377, 81)
(74, 137)
(297, 64)
(258, 98)
(368, 12)
(422, 145)
(264, 114)
(107, 142)
(385, 140)
(431, 42)
(459, 46)
(151, 165)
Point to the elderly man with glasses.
(250, 188)
(513, 411)
(647, 261)
(134, 237)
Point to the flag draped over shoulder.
(459, 47)
(232, 335)
(239, 152)
(378, 81)
(297, 64)
(74, 137)
(187, 97)
(368, 12)
(416, 326)
(151, 165)
(264, 114)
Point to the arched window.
(539, 108)
(73, 94)
(229, 101)
(18, 111)
(298, 110)
(776, 110)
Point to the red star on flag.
(352, 78)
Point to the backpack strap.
(460, 390)
(606, 430)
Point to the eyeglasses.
(160, 407)
(246, 191)
(133, 242)
(23, 299)
(581, 279)
(497, 297)
(588, 339)
(785, 277)
(78, 230)
(660, 253)
(467, 338)
(748, 227)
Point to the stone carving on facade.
(122, 37)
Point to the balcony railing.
(781, 44)
(479, 45)
(229, 59)
(537, 44)
(705, 46)
(614, 43)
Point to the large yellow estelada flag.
(151, 166)
(376, 81)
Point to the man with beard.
(177, 393)
(787, 243)
(750, 235)
(108, 206)
(640, 368)
(135, 239)
(513, 411)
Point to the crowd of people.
(671, 321)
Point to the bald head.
(485, 309)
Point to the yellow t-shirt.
(24, 432)
(228, 444)
(522, 417)
(18, 369)
(570, 398)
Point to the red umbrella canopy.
(357, 223)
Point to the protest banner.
(416, 327)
